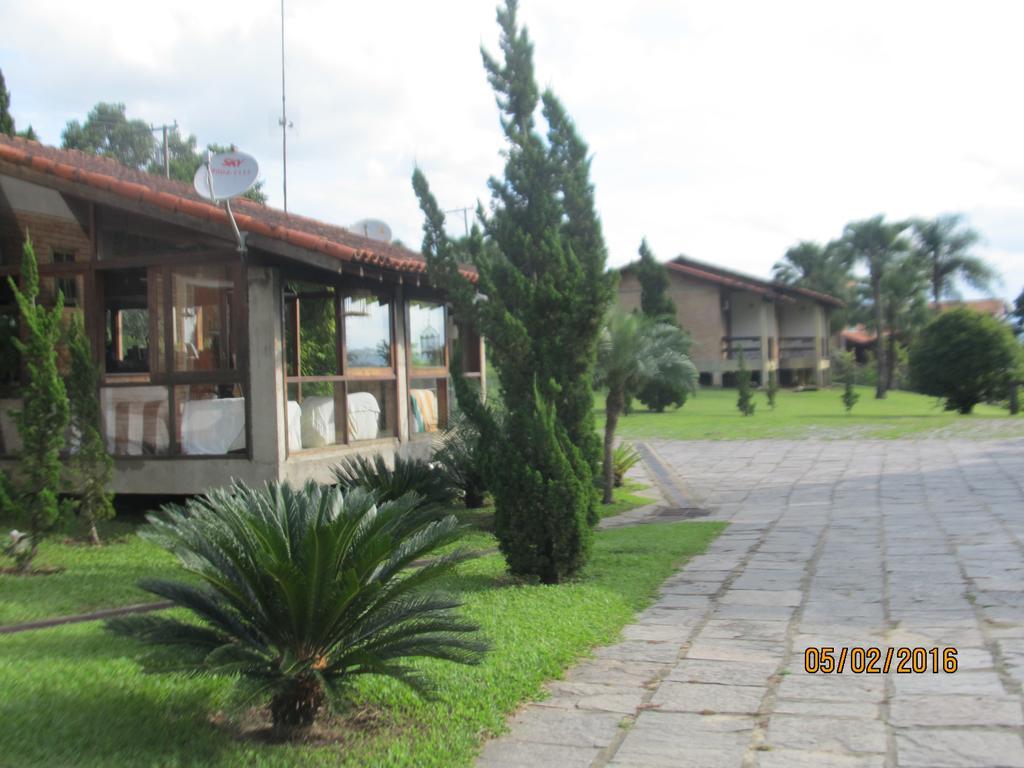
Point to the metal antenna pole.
(284, 117)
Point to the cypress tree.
(772, 388)
(540, 259)
(43, 419)
(848, 370)
(92, 466)
(745, 398)
(6, 121)
(654, 299)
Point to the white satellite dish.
(226, 175)
(375, 229)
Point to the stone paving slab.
(916, 543)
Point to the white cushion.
(317, 422)
(213, 427)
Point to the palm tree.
(824, 268)
(946, 242)
(634, 350)
(811, 265)
(904, 296)
(302, 590)
(875, 243)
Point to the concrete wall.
(799, 319)
(745, 309)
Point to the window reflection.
(318, 350)
(129, 348)
(426, 334)
(367, 332)
(202, 300)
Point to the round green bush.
(964, 357)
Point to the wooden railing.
(797, 346)
(732, 346)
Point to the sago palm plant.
(410, 475)
(460, 459)
(624, 458)
(302, 590)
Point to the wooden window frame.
(440, 374)
(345, 376)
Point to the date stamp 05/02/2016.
(872, 660)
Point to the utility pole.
(167, 153)
(283, 122)
(465, 216)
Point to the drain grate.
(681, 513)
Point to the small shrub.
(965, 358)
(772, 388)
(91, 465)
(745, 397)
(391, 483)
(624, 458)
(668, 376)
(461, 460)
(301, 592)
(846, 370)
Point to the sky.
(726, 130)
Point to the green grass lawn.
(76, 696)
(628, 497)
(93, 577)
(712, 415)
(105, 577)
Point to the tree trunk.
(94, 535)
(295, 707)
(23, 560)
(876, 291)
(890, 369)
(612, 408)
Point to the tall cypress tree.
(43, 418)
(541, 261)
(654, 299)
(6, 121)
(92, 467)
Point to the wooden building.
(775, 327)
(272, 363)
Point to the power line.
(465, 216)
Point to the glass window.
(426, 334)
(327, 403)
(211, 419)
(135, 420)
(315, 414)
(428, 405)
(130, 346)
(367, 332)
(10, 358)
(318, 344)
(371, 410)
(202, 299)
(10, 438)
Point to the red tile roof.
(994, 307)
(748, 282)
(731, 281)
(770, 289)
(177, 197)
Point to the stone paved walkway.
(846, 543)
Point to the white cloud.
(724, 130)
